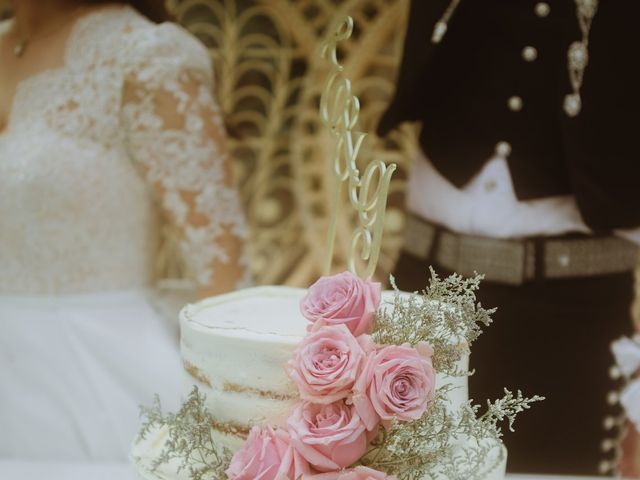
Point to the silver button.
(615, 373)
(515, 103)
(529, 54)
(572, 104)
(490, 186)
(578, 55)
(542, 9)
(607, 444)
(564, 260)
(503, 149)
(605, 467)
(609, 423)
(612, 398)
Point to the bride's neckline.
(77, 26)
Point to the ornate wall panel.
(269, 80)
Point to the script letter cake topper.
(367, 194)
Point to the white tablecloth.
(20, 470)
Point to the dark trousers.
(551, 338)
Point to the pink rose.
(326, 364)
(267, 455)
(342, 298)
(397, 382)
(329, 437)
(358, 473)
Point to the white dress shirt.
(487, 206)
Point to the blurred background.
(269, 78)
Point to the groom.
(528, 172)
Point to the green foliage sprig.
(445, 315)
(190, 443)
(446, 443)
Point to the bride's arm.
(176, 136)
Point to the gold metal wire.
(367, 194)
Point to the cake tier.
(145, 451)
(234, 348)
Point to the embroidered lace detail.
(176, 133)
(129, 144)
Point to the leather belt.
(519, 260)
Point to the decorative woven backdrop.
(269, 78)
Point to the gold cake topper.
(367, 194)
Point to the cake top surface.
(261, 313)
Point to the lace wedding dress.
(98, 157)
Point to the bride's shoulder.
(167, 44)
(137, 44)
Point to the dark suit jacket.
(459, 90)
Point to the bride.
(109, 141)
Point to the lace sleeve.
(176, 136)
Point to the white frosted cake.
(234, 348)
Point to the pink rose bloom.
(342, 299)
(267, 455)
(326, 364)
(367, 344)
(397, 382)
(358, 473)
(330, 437)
